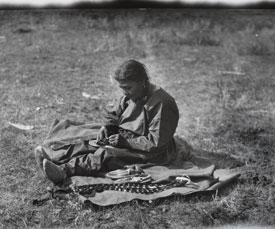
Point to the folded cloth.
(187, 180)
(139, 178)
(126, 172)
(105, 191)
(203, 180)
(143, 178)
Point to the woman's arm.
(164, 121)
(112, 117)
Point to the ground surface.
(219, 65)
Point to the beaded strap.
(132, 187)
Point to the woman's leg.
(103, 160)
(91, 164)
(67, 152)
(83, 165)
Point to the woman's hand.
(102, 134)
(117, 140)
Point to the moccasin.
(40, 155)
(54, 172)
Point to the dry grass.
(219, 65)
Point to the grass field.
(219, 66)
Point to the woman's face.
(133, 90)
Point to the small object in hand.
(103, 142)
(97, 144)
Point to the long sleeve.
(163, 118)
(112, 117)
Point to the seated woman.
(139, 131)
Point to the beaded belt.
(133, 187)
(90, 190)
(130, 187)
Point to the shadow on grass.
(220, 160)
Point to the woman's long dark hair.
(132, 70)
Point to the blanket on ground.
(202, 173)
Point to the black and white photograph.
(137, 114)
